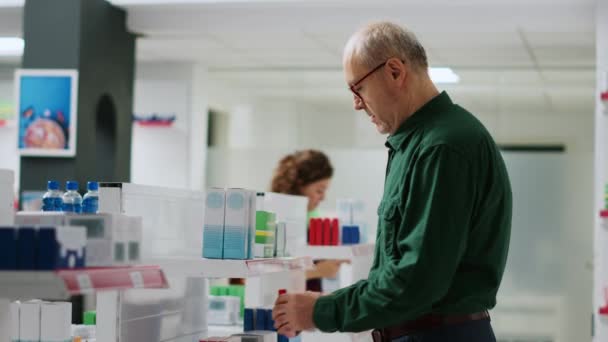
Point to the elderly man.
(445, 216)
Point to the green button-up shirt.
(443, 228)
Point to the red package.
(318, 232)
(326, 232)
(335, 232)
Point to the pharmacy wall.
(162, 91)
(600, 288)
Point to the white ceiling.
(530, 56)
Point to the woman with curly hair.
(304, 173)
(307, 173)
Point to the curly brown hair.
(299, 169)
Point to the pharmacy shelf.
(307, 336)
(63, 283)
(337, 252)
(223, 268)
(318, 336)
(224, 330)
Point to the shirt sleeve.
(430, 232)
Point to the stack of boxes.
(229, 227)
(323, 232)
(38, 321)
(42, 248)
(235, 229)
(223, 310)
(259, 321)
(233, 291)
(111, 239)
(326, 232)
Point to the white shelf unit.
(225, 330)
(360, 258)
(337, 252)
(172, 238)
(59, 285)
(224, 268)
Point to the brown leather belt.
(424, 323)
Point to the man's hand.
(293, 312)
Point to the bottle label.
(90, 205)
(72, 208)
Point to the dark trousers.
(471, 331)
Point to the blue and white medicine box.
(61, 247)
(350, 235)
(261, 319)
(8, 248)
(249, 320)
(213, 229)
(238, 223)
(26, 248)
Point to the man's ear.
(397, 69)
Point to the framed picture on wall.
(46, 104)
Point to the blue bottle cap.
(93, 186)
(52, 185)
(71, 185)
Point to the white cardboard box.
(293, 211)
(15, 308)
(29, 320)
(56, 322)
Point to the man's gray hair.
(377, 42)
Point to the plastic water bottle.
(72, 201)
(90, 201)
(51, 201)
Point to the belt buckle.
(377, 335)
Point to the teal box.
(237, 223)
(235, 240)
(213, 240)
(213, 229)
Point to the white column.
(199, 121)
(240, 126)
(601, 172)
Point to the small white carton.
(213, 229)
(237, 225)
(56, 322)
(29, 320)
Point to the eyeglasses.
(354, 85)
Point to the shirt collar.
(439, 103)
